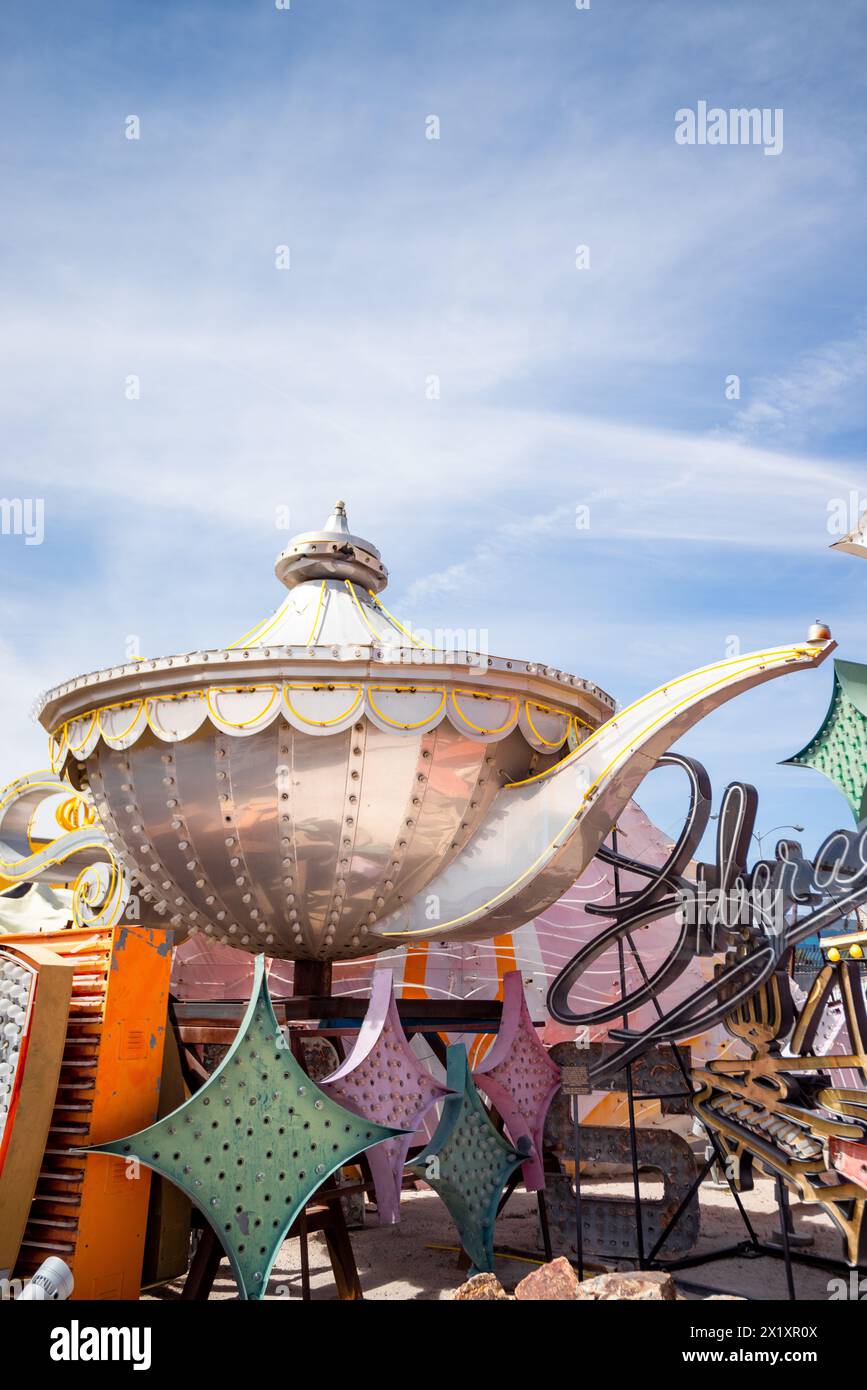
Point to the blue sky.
(410, 258)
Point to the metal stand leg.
(579, 1224)
(797, 1241)
(783, 1203)
(717, 1146)
(543, 1223)
(304, 1252)
(720, 1153)
(341, 1254)
(203, 1270)
(630, 1093)
(636, 1180)
(670, 1225)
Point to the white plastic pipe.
(52, 1281)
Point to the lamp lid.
(332, 553)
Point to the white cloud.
(559, 388)
(818, 393)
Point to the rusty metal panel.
(655, 1073)
(609, 1223)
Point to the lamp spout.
(540, 834)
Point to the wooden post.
(312, 977)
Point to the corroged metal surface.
(609, 1223)
(319, 1058)
(251, 1147)
(468, 1162)
(519, 1078)
(383, 1080)
(656, 1072)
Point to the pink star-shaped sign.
(519, 1078)
(382, 1076)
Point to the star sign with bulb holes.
(252, 1146)
(468, 1162)
(383, 1078)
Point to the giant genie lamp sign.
(329, 786)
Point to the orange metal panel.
(92, 1209)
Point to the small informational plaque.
(575, 1079)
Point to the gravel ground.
(409, 1261)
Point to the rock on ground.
(556, 1280)
(639, 1285)
(485, 1286)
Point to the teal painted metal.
(251, 1147)
(839, 747)
(468, 1162)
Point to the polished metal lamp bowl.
(330, 784)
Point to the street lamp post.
(765, 833)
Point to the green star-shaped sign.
(468, 1162)
(254, 1143)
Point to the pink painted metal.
(382, 1076)
(519, 1078)
(850, 1160)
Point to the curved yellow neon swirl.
(377, 637)
(547, 709)
(323, 723)
(316, 617)
(476, 695)
(228, 690)
(76, 747)
(112, 899)
(580, 739)
(142, 708)
(15, 788)
(11, 869)
(415, 690)
(773, 655)
(55, 759)
(75, 814)
(406, 632)
(156, 700)
(256, 632)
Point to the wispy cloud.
(411, 259)
(820, 392)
